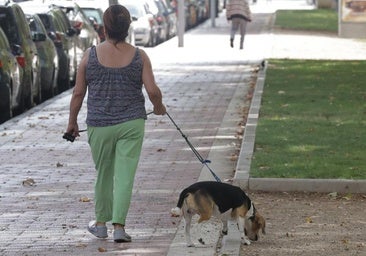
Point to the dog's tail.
(177, 211)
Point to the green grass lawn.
(325, 20)
(312, 120)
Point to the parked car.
(94, 11)
(203, 11)
(68, 37)
(95, 15)
(144, 24)
(157, 8)
(11, 75)
(47, 54)
(64, 38)
(15, 26)
(87, 34)
(170, 13)
(190, 12)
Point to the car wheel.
(63, 81)
(27, 94)
(64, 84)
(50, 92)
(153, 39)
(6, 112)
(150, 41)
(38, 97)
(54, 83)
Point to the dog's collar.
(251, 212)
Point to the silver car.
(11, 76)
(48, 56)
(94, 11)
(146, 29)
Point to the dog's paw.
(176, 212)
(245, 241)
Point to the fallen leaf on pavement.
(333, 195)
(101, 249)
(28, 182)
(309, 220)
(234, 157)
(347, 197)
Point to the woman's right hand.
(73, 129)
(161, 110)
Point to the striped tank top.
(114, 94)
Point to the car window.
(81, 13)
(4, 44)
(75, 15)
(63, 19)
(160, 6)
(58, 24)
(34, 25)
(134, 11)
(151, 7)
(46, 20)
(25, 30)
(94, 13)
(62, 26)
(9, 27)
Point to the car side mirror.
(93, 22)
(16, 49)
(52, 35)
(38, 37)
(71, 32)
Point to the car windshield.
(34, 25)
(46, 20)
(134, 11)
(93, 13)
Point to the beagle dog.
(221, 200)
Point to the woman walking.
(113, 74)
(238, 12)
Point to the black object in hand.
(69, 137)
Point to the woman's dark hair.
(117, 21)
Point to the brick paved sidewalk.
(204, 85)
(49, 216)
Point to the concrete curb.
(246, 151)
(242, 174)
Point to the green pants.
(116, 151)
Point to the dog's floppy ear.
(262, 223)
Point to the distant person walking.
(113, 74)
(238, 12)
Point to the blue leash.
(200, 158)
